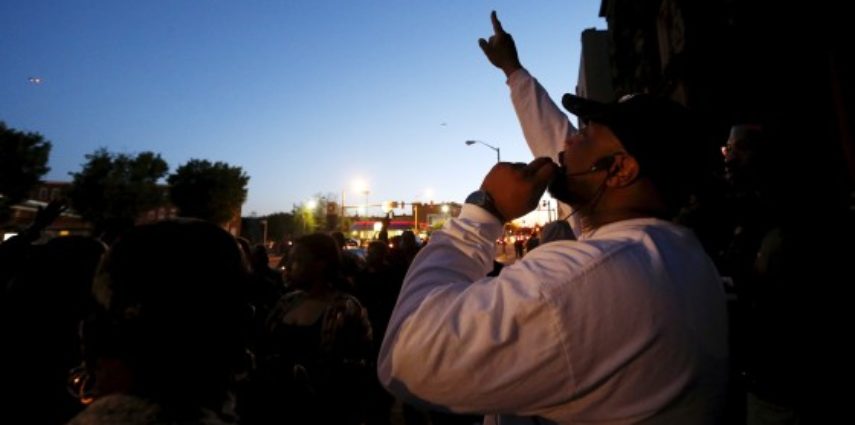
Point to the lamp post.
(498, 156)
(425, 197)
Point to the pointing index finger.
(497, 26)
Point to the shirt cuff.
(517, 77)
(485, 220)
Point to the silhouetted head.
(395, 242)
(245, 249)
(408, 241)
(260, 259)
(339, 239)
(173, 318)
(377, 253)
(558, 230)
(744, 154)
(315, 260)
(58, 276)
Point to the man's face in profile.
(740, 155)
(581, 151)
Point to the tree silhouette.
(212, 192)
(113, 190)
(279, 225)
(23, 162)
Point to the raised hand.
(500, 48)
(45, 216)
(516, 188)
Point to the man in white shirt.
(625, 325)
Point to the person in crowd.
(14, 251)
(558, 230)
(318, 341)
(44, 303)
(519, 247)
(352, 264)
(377, 288)
(532, 242)
(169, 334)
(266, 284)
(762, 260)
(403, 252)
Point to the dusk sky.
(306, 96)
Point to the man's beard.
(559, 189)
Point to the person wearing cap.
(625, 325)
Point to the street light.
(361, 186)
(358, 185)
(308, 211)
(472, 142)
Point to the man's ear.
(623, 172)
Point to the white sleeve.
(544, 126)
(463, 342)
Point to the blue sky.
(306, 96)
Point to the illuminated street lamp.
(472, 142)
(358, 185)
(361, 186)
(308, 211)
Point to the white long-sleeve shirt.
(625, 325)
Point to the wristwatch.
(483, 199)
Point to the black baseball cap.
(661, 134)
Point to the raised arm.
(543, 124)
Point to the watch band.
(483, 199)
